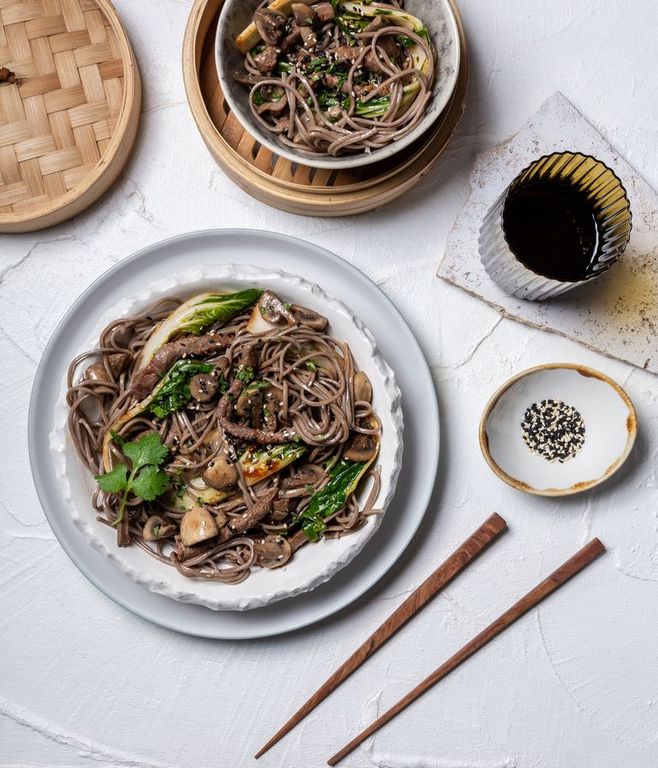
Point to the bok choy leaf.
(174, 392)
(345, 477)
(196, 314)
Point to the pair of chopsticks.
(444, 574)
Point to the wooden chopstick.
(460, 558)
(559, 577)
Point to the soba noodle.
(359, 78)
(303, 394)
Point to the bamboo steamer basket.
(290, 186)
(69, 121)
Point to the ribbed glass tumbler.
(607, 197)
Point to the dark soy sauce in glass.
(551, 228)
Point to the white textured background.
(573, 685)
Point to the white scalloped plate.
(399, 347)
(312, 565)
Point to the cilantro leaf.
(149, 449)
(114, 481)
(150, 483)
(144, 479)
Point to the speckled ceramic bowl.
(602, 427)
(440, 20)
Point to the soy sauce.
(551, 228)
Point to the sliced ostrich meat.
(250, 518)
(242, 431)
(145, 380)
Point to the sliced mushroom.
(221, 518)
(270, 25)
(324, 12)
(156, 528)
(97, 372)
(306, 475)
(362, 448)
(203, 387)
(117, 362)
(269, 313)
(362, 388)
(303, 14)
(197, 525)
(221, 474)
(309, 318)
(272, 551)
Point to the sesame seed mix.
(553, 430)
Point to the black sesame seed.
(553, 430)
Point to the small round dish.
(557, 429)
(444, 33)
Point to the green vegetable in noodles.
(345, 477)
(196, 314)
(174, 392)
(144, 479)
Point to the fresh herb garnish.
(245, 374)
(174, 393)
(311, 366)
(255, 386)
(144, 479)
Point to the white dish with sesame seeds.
(557, 429)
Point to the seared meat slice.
(324, 12)
(347, 53)
(303, 14)
(265, 61)
(248, 520)
(270, 25)
(189, 346)
(280, 510)
(291, 38)
(242, 431)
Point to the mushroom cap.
(362, 448)
(272, 551)
(156, 528)
(96, 372)
(220, 474)
(197, 525)
(362, 388)
(203, 387)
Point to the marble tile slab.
(617, 314)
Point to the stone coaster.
(616, 314)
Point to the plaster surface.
(573, 685)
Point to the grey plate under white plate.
(397, 345)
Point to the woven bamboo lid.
(290, 186)
(69, 111)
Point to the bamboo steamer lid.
(69, 121)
